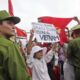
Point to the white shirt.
(39, 67)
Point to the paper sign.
(45, 32)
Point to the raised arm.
(29, 46)
(51, 52)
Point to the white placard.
(45, 32)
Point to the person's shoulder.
(5, 42)
(75, 40)
(78, 39)
(3, 51)
(71, 42)
(2, 47)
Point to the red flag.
(59, 23)
(10, 7)
(63, 37)
(20, 33)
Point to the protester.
(37, 59)
(12, 64)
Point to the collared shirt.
(12, 64)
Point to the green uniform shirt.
(74, 52)
(12, 64)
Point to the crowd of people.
(37, 61)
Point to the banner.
(45, 32)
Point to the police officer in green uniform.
(12, 64)
(73, 52)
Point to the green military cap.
(4, 15)
(75, 29)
